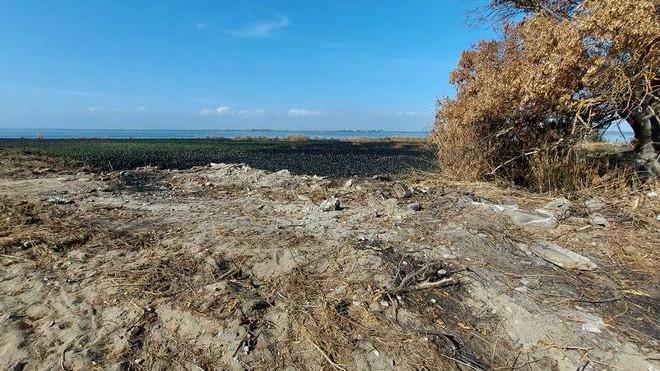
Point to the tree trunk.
(655, 128)
(646, 127)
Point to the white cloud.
(301, 112)
(223, 110)
(262, 28)
(248, 112)
(142, 109)
(92, 109)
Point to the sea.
(201, 134)
(610, 136)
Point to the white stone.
(331, 204)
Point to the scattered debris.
(532, 219)
(414, 206)
(598, 219)
(29, 244)
(383, 177)
(401, 190)
(283, 173)
(423, 189)
(331, 204)
(561, 257)
(242, 275)
(593, 324)
(59, 201)
(594, 204)
(580, 222)
(18, 366)
(561, 206)
(42, 170)
(510, 203)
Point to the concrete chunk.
(532, 219)
(561, 257)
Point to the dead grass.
(603, 147)
(357, 140)
(327, 315)
(630, 242)
(549, 166)
(388, 140)
(330, 316)
(461, 154)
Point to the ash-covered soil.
(229, 267)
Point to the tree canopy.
(562, 70)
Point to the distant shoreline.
(5, 133)
(202, 134)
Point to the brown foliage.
(560, 72)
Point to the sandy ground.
(229, 267)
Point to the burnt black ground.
(321, 157)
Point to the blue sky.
(202, 64)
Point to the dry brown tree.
(561, 70)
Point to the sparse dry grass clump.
(395, 139)
(328, 315)
(460, 155)
(578, 170)
(572, 169)
(357, 140)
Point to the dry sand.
(229, 267)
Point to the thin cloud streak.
(226, 110)
(247, 112)
(220, 111)
(261, 29)
(301, 112)
(223, 110)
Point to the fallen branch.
(406, 279)
(227, 274)
(608, 300)
(534, 151)
(424, 286)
